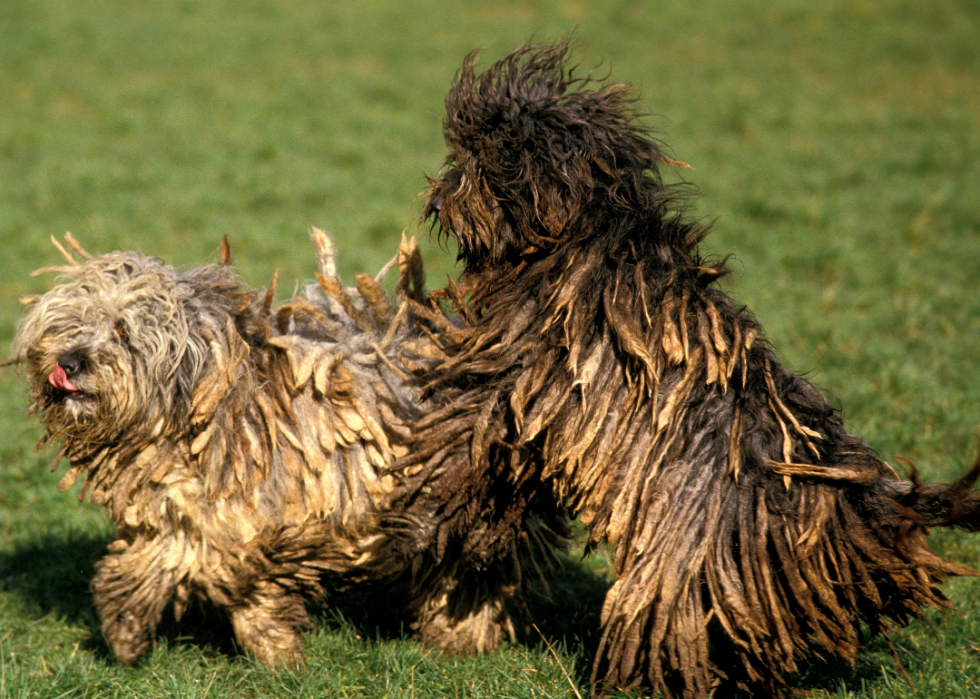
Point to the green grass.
(836, 147)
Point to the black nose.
(434, 205)
(71, 363)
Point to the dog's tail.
(941, 504)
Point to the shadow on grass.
(53, 575)
(876, 659)
(566, 614)
(568, 611)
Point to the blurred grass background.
(836, 147)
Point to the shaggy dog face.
(118, 350)
(597, 368)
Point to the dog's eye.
(453, 179)
(122, 333)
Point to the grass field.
(836, 147)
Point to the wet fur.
(597, 369)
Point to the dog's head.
(538, 157)
(118, 348)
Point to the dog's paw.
(128, 636)
(478, 627)
(266, 639)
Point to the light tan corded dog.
(238, 449)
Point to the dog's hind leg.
(463, 610)
(265, 625)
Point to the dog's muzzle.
(449, 182)
(69, 366)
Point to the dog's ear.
(213, 346)
(192, 394)
(584, 150)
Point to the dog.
(596, 370)
(239, 449)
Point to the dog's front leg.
(132, 586)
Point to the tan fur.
(238, 449)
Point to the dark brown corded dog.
(598, 368)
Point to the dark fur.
(599, 369)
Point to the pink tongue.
(59, 379)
